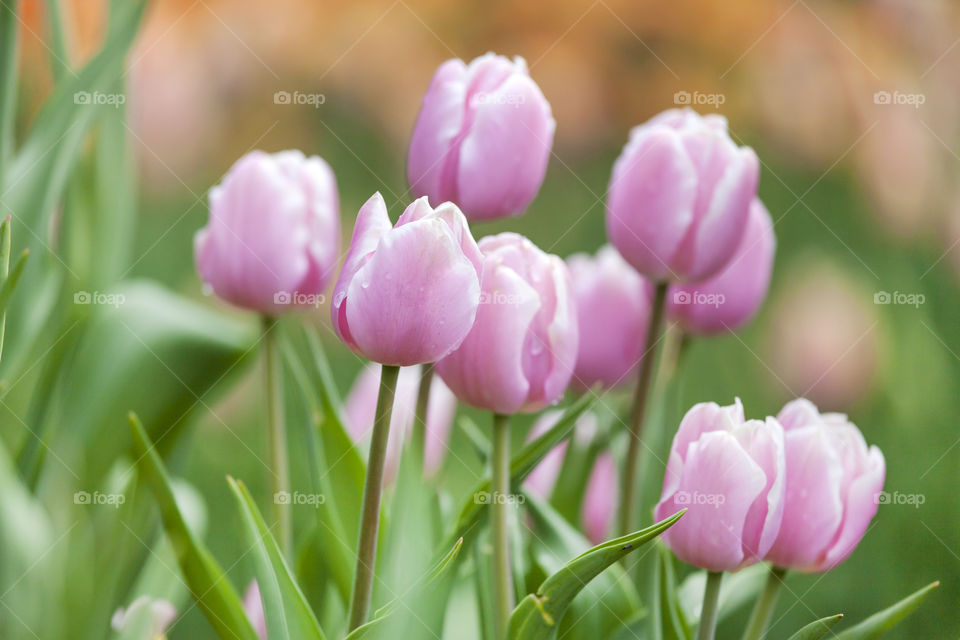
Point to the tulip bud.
(273, 238)
(613, 312)
(483, 137)
(833, 483)
(361, 405)
(407, 294)
(729, 474)
(520, 353)
(600, 500)
(731, 298)
(253, 607)
(679, 196)
(146, 615)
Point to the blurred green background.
(864, 195)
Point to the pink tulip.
(613, 311)
(731, 298)
(520, 353)
(408, 294)
(483, 137)
(360, 409)
(253, 607)
(542, 480)
(600, 500)
(147, 615)
(273, 238)
(832, 486)
(679, 196)
(729, 474)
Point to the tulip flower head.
(679, 196)
(483, 137)
(519, 355)
(360, 409)
(731, 298)
(833, 483)
(273, 238)
(253, 607)
(613, 313)
(408, 293)
(600, 499)
(145, 615)
(729, 474)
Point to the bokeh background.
(853, 108)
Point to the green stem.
(500, 490)
(628, 492)
(372, 492)
(763, 611)
(279, 467)
(711, 597)
(420, 416)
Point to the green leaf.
(537, 615)
(9, 65)
(422, 588)
(211, 590)
(285, 608)
(668, 620)
(817, 629)
(473, 512)
(882, 621)
(608, 603)
(154, 352)
(336, 467)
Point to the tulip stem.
(763, 611)
(279, 468)
(420, 416)
(711, 598)
(500, 490)
(628, 494)
(372, 492)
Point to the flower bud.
(273, 238)
(729, 474)
(679, 196)
(407, 294)
(833, 483)
(519, 355)
(483, 137)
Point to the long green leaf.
(537, 615)
(882, 621)
(473, 512)
(668, 619)
(382, 616)
(609, 603)
(9, 59)
(285, 608)
(211, 590)
(817, 629)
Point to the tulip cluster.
(508, 327)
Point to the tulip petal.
(815, 509)
(651, 200)
(860, 505)
(764, 442)
(718, 484)
(416, 297)
(486, 371)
